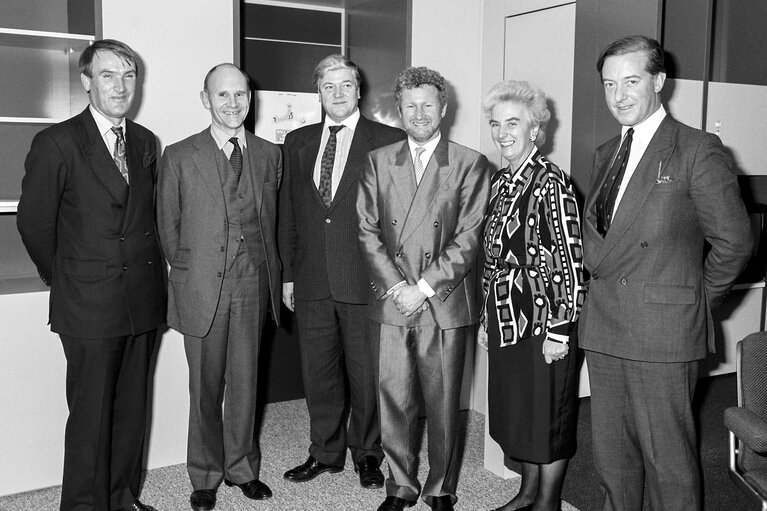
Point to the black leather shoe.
(139, 506)
(392, 503)
(203, 500)
(254, 489)
(370, 473)
(309, 470)
(442, 503)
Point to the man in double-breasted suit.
(324, 278)
(659, 194)
(421, 204)
(86, 217)
(217, 206)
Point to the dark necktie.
(236, 158)
(609, 192)
(326, 166)
(119, 155)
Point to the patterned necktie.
(236, 158)
(609, 192)
(326, 166)
(119, 155)
(418, 164)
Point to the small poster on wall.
(279, 113)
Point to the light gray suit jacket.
(431, 231)
(193, 225)
(653, 282)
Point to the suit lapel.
(437, 171)
(640, 185)
(360, 146)
(257, 167)
(204, 159)
(99, 160)
(140, 176)
(402, 177)
(307, 156)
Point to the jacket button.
(327, 220)
(149, 263)
(427, 255)
(595, 276)
(218, 274)
(624, 281)
(125, 268)
(222, 249)
(394, 222)
(436, 224)
(643, 244)
(122, 238)
(146, 233)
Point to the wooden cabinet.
(40, 45)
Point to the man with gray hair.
(324, 280)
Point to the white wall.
(178, 41)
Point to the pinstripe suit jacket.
(318, 245)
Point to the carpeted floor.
(285, 439)
(284, 442)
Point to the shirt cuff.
(395, 287)
(560, 338)
(425, 288)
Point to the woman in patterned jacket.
(533, 282)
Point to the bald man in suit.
(217, 207)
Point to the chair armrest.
(748, 427)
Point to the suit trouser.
(334, 345)
(643, 431)
(431, 360)
(104, 440)
(223, 366)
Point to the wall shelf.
(39, 40)
(9, 206)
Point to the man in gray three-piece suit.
(421, 205)
(659, 194)
(217, 206)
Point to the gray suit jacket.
(431, 231)
(193, 225)
(652, 281)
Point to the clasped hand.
(409, 300)
(553, 351)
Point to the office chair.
(747, 422)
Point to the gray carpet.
(284, 442)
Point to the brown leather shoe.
(254, 489)
(203, 500)
(370, 472)
(309, 470)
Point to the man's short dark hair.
(120, 49)
(414, 77)
(655, 61)
(213, 70)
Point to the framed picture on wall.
(279, 113)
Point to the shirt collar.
(429, 146)
(647, 128)
(350, 122)
(221, 137)
(103, 124)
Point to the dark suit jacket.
(318, 245)
(431, 231)
(91, 237)
(652, 282)
(193, 225)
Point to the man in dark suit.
(659, 194)
(421, 204)
(86, 217)
(324, 279)
(217, 206)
